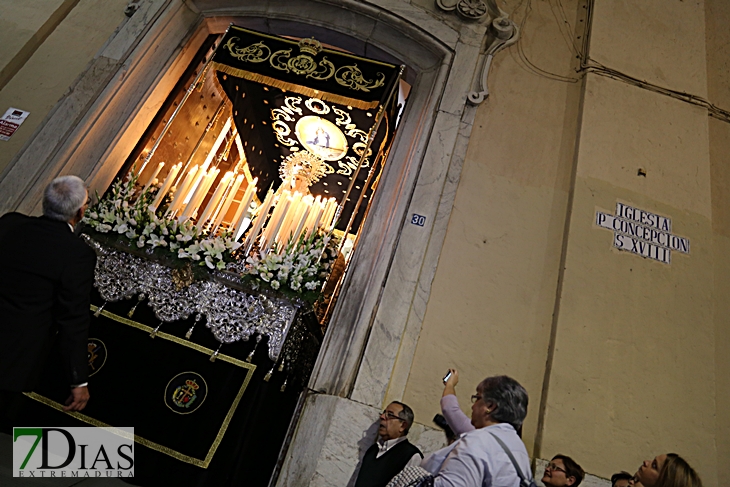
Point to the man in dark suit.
(392, 452)
(46, 273)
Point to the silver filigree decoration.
(231, 314)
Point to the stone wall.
(636, 350)
(490, 309)
(48, 43)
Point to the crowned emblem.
(186, 392)
(184, 396)
(310, 46)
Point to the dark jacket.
(377, 472)
(46, 273)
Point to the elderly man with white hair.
(46, 273)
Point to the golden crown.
(310, 46)
(303, 164)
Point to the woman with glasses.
(668, 470)
(562, 471)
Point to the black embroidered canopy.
(306, 68)
(290, 96)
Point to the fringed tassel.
(98, 311)
(267, 377)
(154, 332)
(250, 355)
(215, 354)
(140, 298)
(190, 331)
(283, 386)
(302, 90)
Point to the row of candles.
(292, 214)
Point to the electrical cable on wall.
(588, 65)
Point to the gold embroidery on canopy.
(297, 88)
(151, 444)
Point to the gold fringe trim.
(302, 90)
(143, 441)
(173, 338)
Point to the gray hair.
(406, 415)
(509, 397)
(64, 197)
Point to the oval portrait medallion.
(96, 353)
(185, 392)
(321, 137)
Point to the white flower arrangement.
(301, 267)
(127, 214)
(298, 269)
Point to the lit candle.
(166, 186)
(213, 203)
(193, 188)
(276, 225)
(242, 212)
(198, 193)
(314, 216)
(208, 183)
(182, 189)
(228, 201)
(263, 211)
(154, 175)
(266, 234)
(329, 214)
(303, 217)
(284, 233)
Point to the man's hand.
(451, 383)
(78, 399)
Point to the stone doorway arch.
(367, 351)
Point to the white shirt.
(384, 446)
(477, 460)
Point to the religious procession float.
(221, 247)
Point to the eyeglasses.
(475, 398)
(554, 467)
(390, 415)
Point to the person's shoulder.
(503, 431)
(410, 447)
(13, 214)
(14, 217)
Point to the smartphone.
(447, 376)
